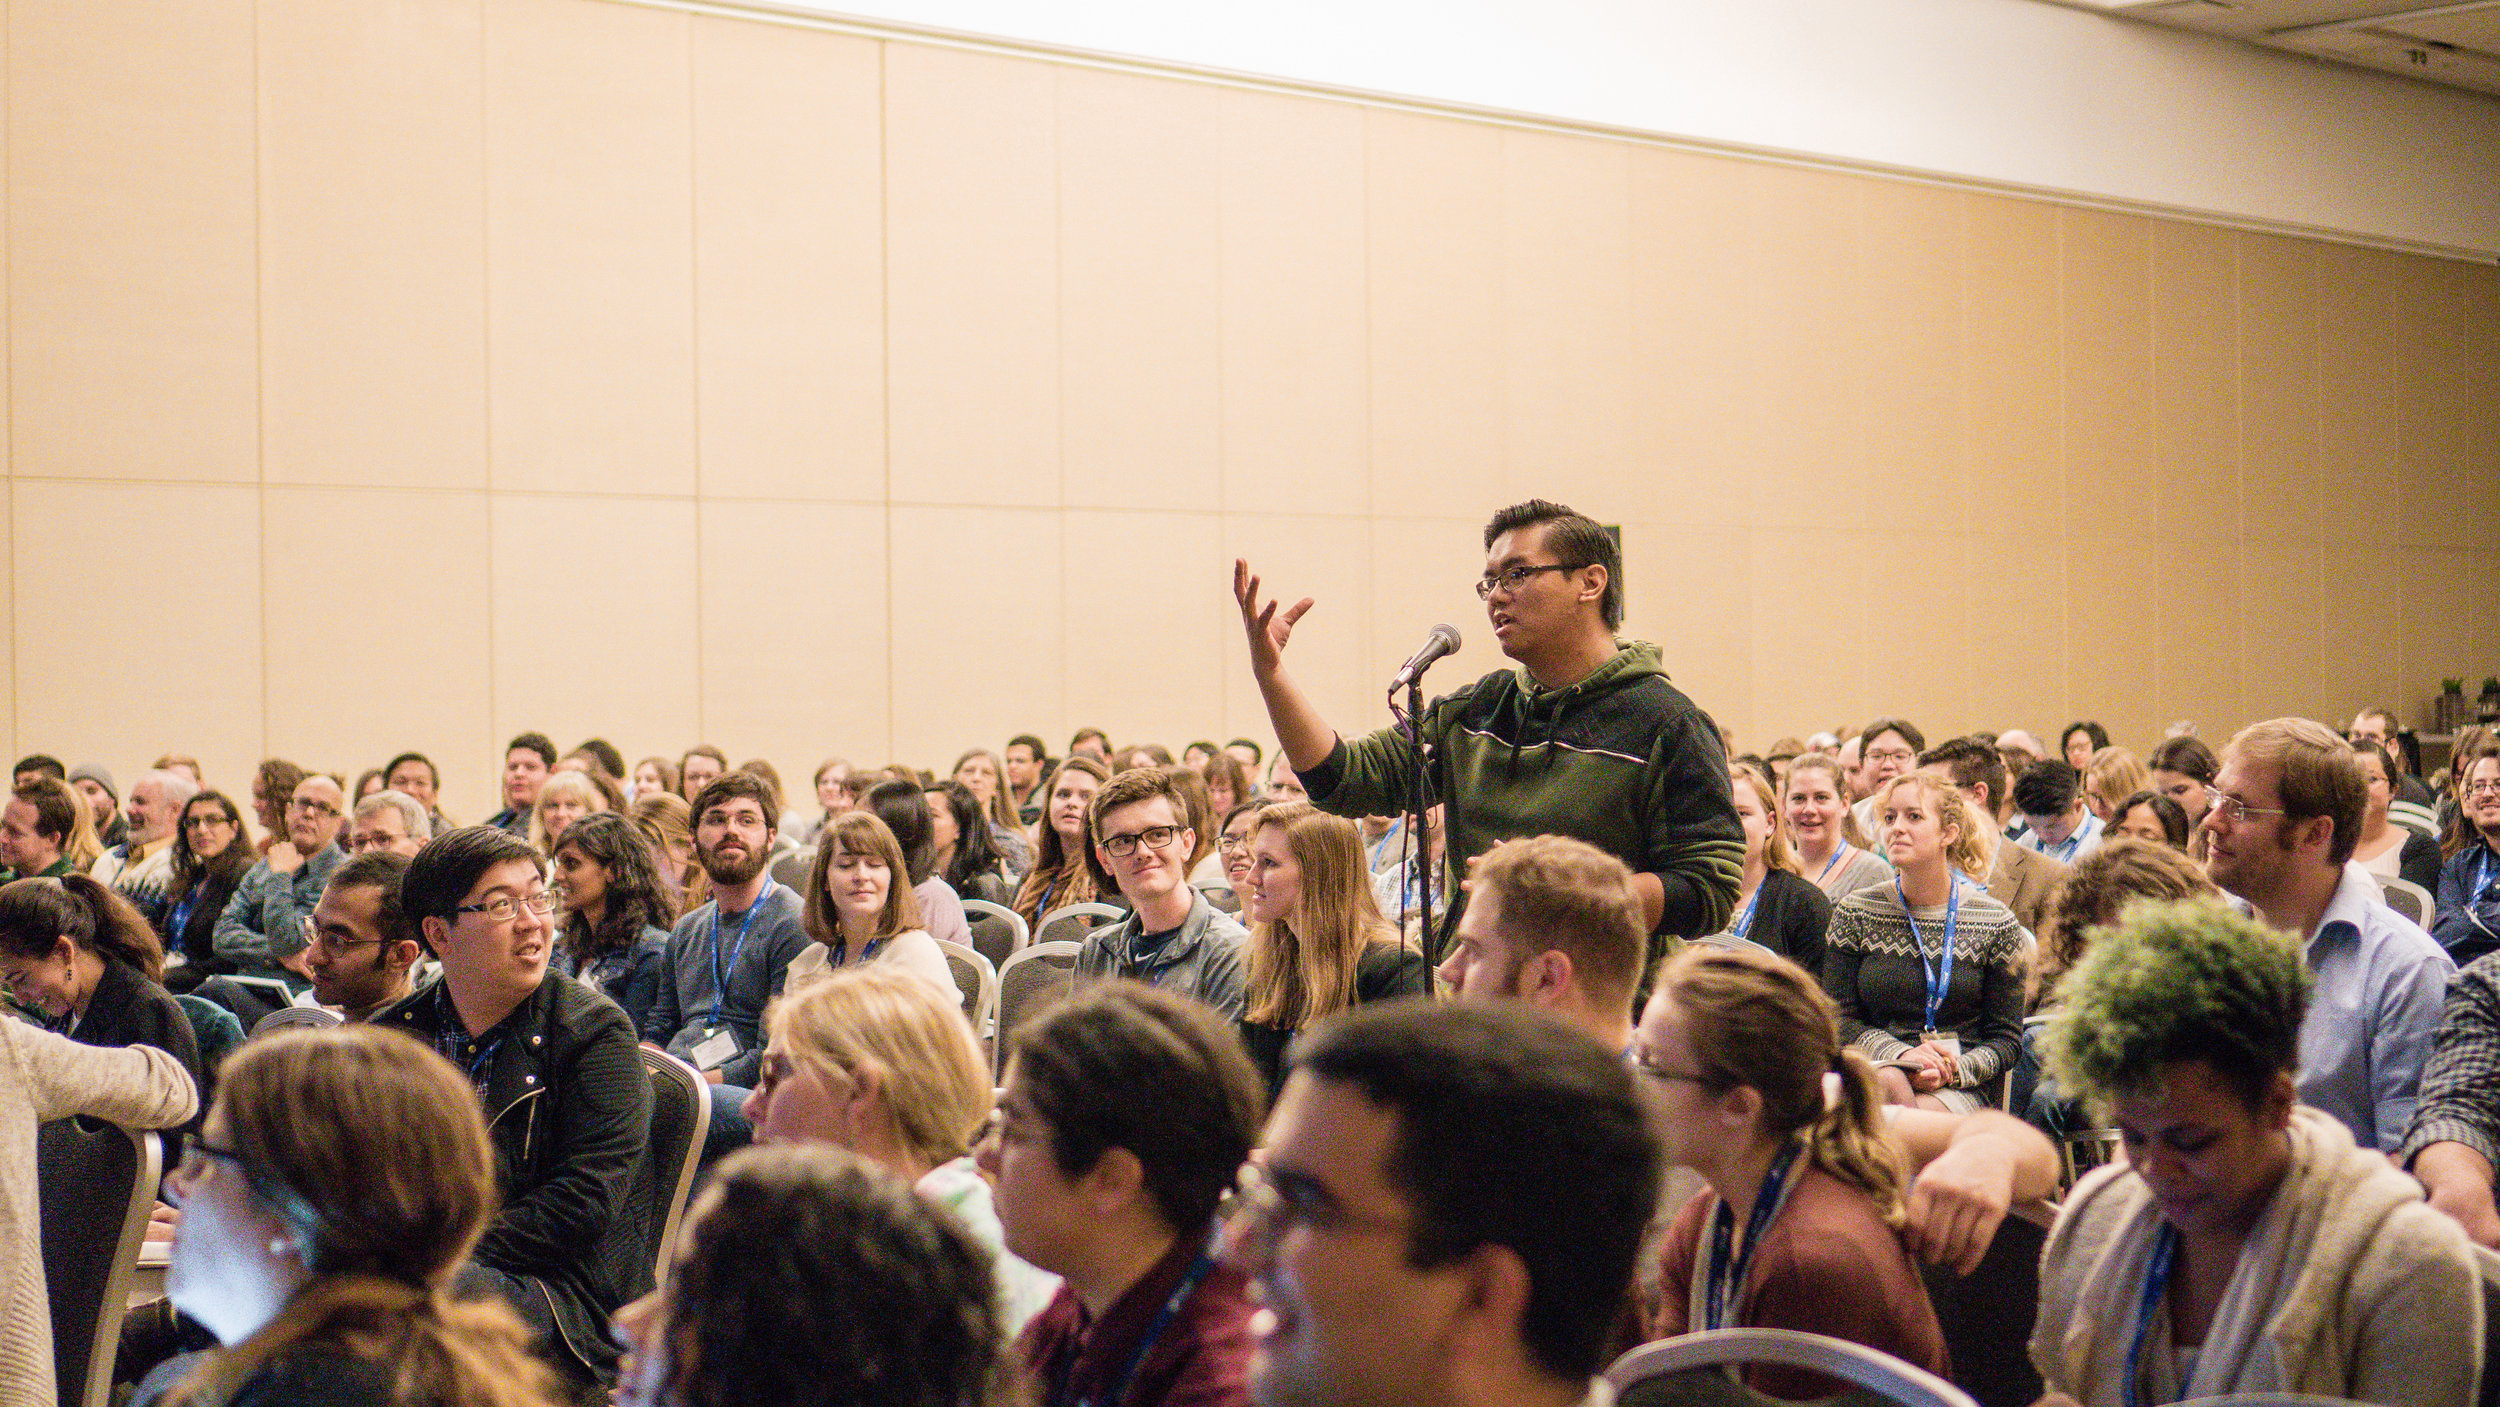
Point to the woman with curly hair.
(212, 853)
(617, 911)
(2245, 1245)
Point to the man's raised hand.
(1268, 631)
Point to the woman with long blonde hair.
(1060, 875)
(1775, 905)
(1318, 943)
(341, 1180)
(1801, 1222)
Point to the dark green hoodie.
(1622, 760)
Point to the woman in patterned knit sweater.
(1928, 970)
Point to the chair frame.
(286, 1017)
(2429, 907)
(1024, 931)
(985, 997)
(663, 1066)
(148, 1170)
(1856, 1364)
(1107, 912)
(1035, 952)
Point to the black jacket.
(127, 1009)
(568, 1108)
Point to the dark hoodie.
(1621, 759)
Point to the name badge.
(715, 1050)
(1951, 1041)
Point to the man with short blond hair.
(1552, 922)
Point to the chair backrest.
(290, 1016)
(98, 1183)
(1881, 1374)
(1076, 920)
(2409, 899)
(1030, 982)
(269, 987)
(1731, 941)
(2270, 1399)
(681, 1108)
(976, 979)
(2487, 1280)
(998, 932)
(1220, 894)
(2083, 1150)
(1988, 1314)
(218, 1032)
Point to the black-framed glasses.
(504, 908)
(203, 822)
(1517, 577)
(1157, 838)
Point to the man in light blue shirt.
(2285, 818)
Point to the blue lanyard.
(2482, 876)
(182, 912)
(1118, 1387)
(2065, 850)
(1829, 865)
(720, 979)
(1727, 1279)
(2156, 1285)
(484, 1057)
(1939, 974)
(1744, 920)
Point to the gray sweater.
(264, 921)
(1202, 959)
(682, 1015)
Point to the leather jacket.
(568, 1110)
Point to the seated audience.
(2413, 805)
(566, 797)
(1317, 941)
(342, 1180)
(94, 785)
(1831, 850)
(2455, 1141)
(2183, 769)
(1228, 782)
(2386, 849)
(696, 769)
(368, 782)
(273, 785)
(2468, 921)
(2245, 1245)
(667, 822)
(566, 1098)
(1806, 1198)
(1928, 970)
(1888, 748)
(981, 773)
(389, 820)
(2055, 821)
(903, 808)
(960, 852)
(528, 761)
(2112, 773)
(617, 912)
(2146, 815)
(1232, 842)
(2018, 750)
(1284, 783)
(413, 775)
(261, 933)
(859, 911)
(808, 1278)
(2080, 740)
(360, 909)
(877, 1063)
(1062, 874)
(212, 854)
(1028, 766)
(1775, 906)
(2286, 815)
(43, 827)
(1126, 1116)
(1552, 922)
(1144, 843)
(1447, 1213)
(141, 867)
(79, 955)
(2022, 879)
(654, 776)
(728, 957)
(1399, 889)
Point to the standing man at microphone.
(1585, 739)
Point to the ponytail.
(435, 1350)
(36, 914)
(1851, 1143)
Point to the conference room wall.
(410, 374)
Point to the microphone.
(1442, 641)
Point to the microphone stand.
(1417, 818)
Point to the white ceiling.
(2455, 43)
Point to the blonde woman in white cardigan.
(2246, 1246)
(45, 1077)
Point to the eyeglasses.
(2482, 789)
(201, 823)
(195, 1159)
(1647, 1064)
(314, 937)
(312, 808)
(2227, 807)
(504, 908)
(1231, 843)
(1516, 577)
(1120, 847)
(1266, 1206)
(1892, 754)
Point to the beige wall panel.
(2196, 409)
(196, 620)
(131, 280)
(2107, 394)
(2017, 643)
(1910, 272)
(1914, 656)
(589, 261)
(1807, 674)
(2283, 643)
(1688, 589)
(2284, 496)
(1424, 572)
(1141, 296)
(2113, 667)
(972, 277)
(795, 667)
(984, 632)
(2357, 448)
(8, 603)
(2436, 453)
(633, 677)
(1146, 611)
(1295, 403)
(372, 216)
(2014, 458)
(1334, 652)
(1433, 218)
(364, 663)
(1807, 353)
(789, 263)
(1689, 273)
(2360, 631)
(1570, 431)
(2440, 640)
(2197, 639)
